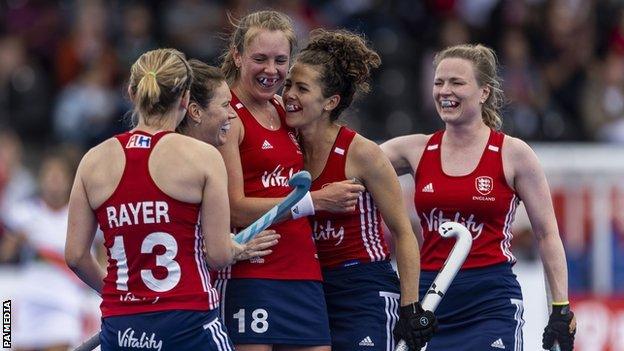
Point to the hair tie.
(152, 73)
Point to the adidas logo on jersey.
(498, 344)
(367, 341)
(428, 188)
(266, 145)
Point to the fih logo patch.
(484, 185)
(139, 141)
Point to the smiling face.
(303, 96)
(456, 92)
(264, 63)
(215, 118)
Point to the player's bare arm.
(215, 214)
(337, 197)
(80, 233)
(244, 210)
(529, 181)
(404, 152)
(367, 162)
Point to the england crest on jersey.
(484, 185)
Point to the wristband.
(303, 208)
(563, 303)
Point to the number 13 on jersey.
(165, 260)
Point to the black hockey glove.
(561, 328)
(415, 326)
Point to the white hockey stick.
(300, 181)
(451, 266)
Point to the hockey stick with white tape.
(453, 263)
(300, 181)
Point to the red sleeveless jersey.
(269, 158)
(347, 238)
(481, 200)
(153, 241)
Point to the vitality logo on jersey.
(327, 232)
(484, 185)
(139, 141)
(436, 217)
(277, 177)
(128, 340)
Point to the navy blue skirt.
(482, 310)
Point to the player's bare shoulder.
(101, 169)
(518, 159)
(405, 151)
(105, 160)
(517, 151)
(364, 150)
(108, 149)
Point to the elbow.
(73, 259)
(541, 236)
(220, 259)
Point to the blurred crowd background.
(64, 67)
(63, 64)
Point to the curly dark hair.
(346, 63)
